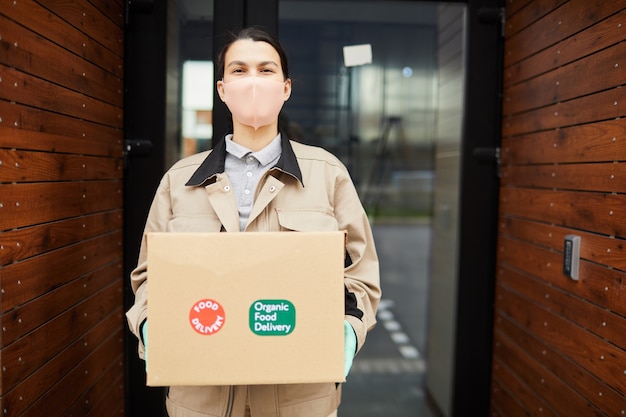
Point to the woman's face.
(249, 58)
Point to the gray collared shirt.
(245, 168)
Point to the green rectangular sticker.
(272, 317)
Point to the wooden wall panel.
(61, 181)
(598, 36)
(34, 92)
(25, 204)
(554, 362)
(593, 142)
(29, 52)
(514, 399)
(569, 18)
(601, 249)
(518, 16)
(599, 212)
(30, 118)
(598, 106)
(54, 28)
(605, 177)
(25, 242)
(560, 344)
(569, 81)
(64, 142)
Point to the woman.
(256, 179)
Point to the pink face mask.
(254, 101)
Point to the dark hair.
(257, 35)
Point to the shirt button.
(272, 189)
(249, 174)
(227, 188)
(246, 192)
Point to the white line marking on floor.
(400, 338)
(391, 325)
(409, 352)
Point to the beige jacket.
(308, 190)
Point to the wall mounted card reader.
(571, 256)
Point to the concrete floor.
(387, 378)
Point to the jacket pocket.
(197, 401)
(185, 224)
(307, 221)
(296, 400)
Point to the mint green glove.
(144, 336)
(350, 346)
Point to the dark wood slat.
(593, 212)
(15, 138)
(523, 15)
(502, 403)
(113, 407)
(593, 108)
(89, 20)
(26, 166)
(26, 280)
(570, 81)
(600, 358)
(114, 10)
(34, 203)
(513, 397)
(595, 319)
(105, 398)
(27, 204)
(51, 27)
(70, 388)
(597, 284)
(595, 142)
(572, 17)
(39, 382)
(494, 412)
(611, 401)
(604, 177)
(34, 120)
(24, 319)
(513, 6)
(28, 52)
(557, 340)
(21, 360)
(61, 132)
(29, 118)
(601, 249)
(547, 386)
(23, 243)
(602, 35)
(101, 196)
(25, 89)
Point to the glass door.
(369, 79)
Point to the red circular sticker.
(206, 317)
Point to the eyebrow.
(261, 64)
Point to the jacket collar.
(214, 163)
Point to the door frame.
(478, 215)
(145, 104)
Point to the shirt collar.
(214, 162)
(265, 156)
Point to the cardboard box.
(245, 308)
